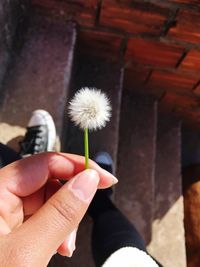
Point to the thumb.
(45, 231)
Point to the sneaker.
(104, 160)
(102, 201)
(40, 135)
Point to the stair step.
(168, 241)
(105, 75)
(136, 160)
(9, 12)
(39, 76)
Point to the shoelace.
(34, 140)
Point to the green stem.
(86, 148)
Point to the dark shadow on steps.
(93, 71)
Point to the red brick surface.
(171, 81)
(133, 18)
(197, 90)
(191, 62)
(100, 42)
(153, 53)
(180, 100)
(187, 27)
(189, 2)
(134, 78)
(160, 40)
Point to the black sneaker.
(104, 160)
(102, 201)
(40, 135)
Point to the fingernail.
(71, 243)
(114, 179)
(85, 184)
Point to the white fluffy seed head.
(90, 108)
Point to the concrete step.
(168, 238)
(10, 15)
(136, 160)
(105, 75)
(38, 77)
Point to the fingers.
(35, 201)
(106, 178)
(4, 228)
(58, 218)
(26, 176)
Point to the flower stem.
(86, 148)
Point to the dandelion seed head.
(90, 108)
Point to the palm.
(14, 209)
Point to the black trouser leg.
(7, 155)
(111, 229)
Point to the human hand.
(39, 216)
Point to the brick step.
(38, 77)
(136, 160)
(191, 191)
(105, 75)
(168, 238)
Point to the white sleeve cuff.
(130, 257)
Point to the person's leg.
(112, 231)
(7, 155)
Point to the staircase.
(145, 144)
